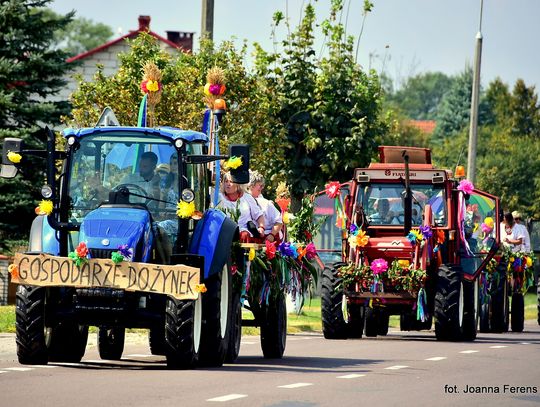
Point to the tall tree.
(30, 71)
(525, 118)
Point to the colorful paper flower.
(125, 251)
(232, 163)
(286, 217)
(311, 251)
(362, 238)
(14, 157)
(440, 236)
(117, 257)
(200, 288)
(45, 207)
(332, 189)
(379, 266)
(270, 250)
(286, 250)
(486, 228)
(404, 263)
(251, 254)
(283, 203)
(353, 229)
(150, 86)
(81, 250)
(426, 231)
(14, 271)
(466, 186)
(528, 261)
(79, 256)
(185, 209)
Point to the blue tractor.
(101, 199)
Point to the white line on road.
(525, 343)
(139, 355)
(299, 339)
(3, 371)
(228, 397)
(18, 369)
(45, 366)
(396, 367)
(351, 376)
(436, 358)
(468, 351)
(248, 343)
(498, 346)
(295, 385)
(93, 361)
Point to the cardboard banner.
(178, 280)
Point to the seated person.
(384, 215)
(146, 178)
(273, 222)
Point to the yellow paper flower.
(286, 217)
(185, 209)
(362, 239)
(419, 236)
(353, 241)
(489, 222)
(152, 86)
(14, 271)
(14, 157)
(45, 207)
(251, 255)
(404, 263)
(200, 288)
(233, 163)
(529, 261)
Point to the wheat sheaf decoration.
(152, 87)
(215, 88)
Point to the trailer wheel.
(215, 318)
(455, 309)
(30, 325)
(408, 322)
(111, 342)
(274, 327)
(500, 306)
(518, 312)
(538, 298)
(383, 320)
(333, 323)
(372, 323)
(183, 320)
(66, 342)
(156, 341)
(235, 329)
(355, 325)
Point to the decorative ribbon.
(420, 306)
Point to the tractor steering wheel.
(134, 188)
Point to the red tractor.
(411, 241)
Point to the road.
(405, 369)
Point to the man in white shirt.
(273, 221)
(522, 231)
(146, 178)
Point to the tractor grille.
(101, 253)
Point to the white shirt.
(249, 210)
(271, 214)
(513, 235)
(522, 232)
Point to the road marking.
(45, 366)
(299, 339)
(3, 371)
(228, 397)
(351, 376)
(295, 385)
(248, 343)
(525, 343)
(139, 355)
(468, 351)
(18, 369)
(396, 367)
(498, 346)
(436, 358)
(93, 361)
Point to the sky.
(400, 37)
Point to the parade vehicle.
(411, 240)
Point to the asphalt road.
(404, 369)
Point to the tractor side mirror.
(240, 175)
(9, 167)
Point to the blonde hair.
(227, 177)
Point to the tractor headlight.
(71, 141)
(46, 191)
(178, 143)
(188, 195)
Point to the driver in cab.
(384, 215)
(146, 178)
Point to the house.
(107, 54)
(425, 126)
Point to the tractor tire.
(500, 307)
(355, 325)
(456, 303)
(111, 342)
(30, 325)
(183, 321)
(333, 323)
(408, 322)
(538, 298)
(274, 327)
(235, 330)
(156, 341)
(372, 322)
(485, 310)
(66, 342)
(383, 320)
(517, 312)
(216, 303)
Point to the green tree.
(525, 117)
(30, 71)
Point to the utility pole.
(207, 19)
(473, 129)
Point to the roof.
(425, 126)
(144, 26)
(169, 132)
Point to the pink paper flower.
(466, 186)
(379, 266)
(311, 251)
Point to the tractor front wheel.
(333, 323)
(30, 325)
(111, 342)
(183, 320)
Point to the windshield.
(383, 203)
(146, 166)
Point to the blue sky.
(403, 37)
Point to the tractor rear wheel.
(274, 327)
(518, 312)
(30, 325)
(333, 323)
(111, 342)
(215, 323)
(156, 341)
(183, 320)
(456, 304)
